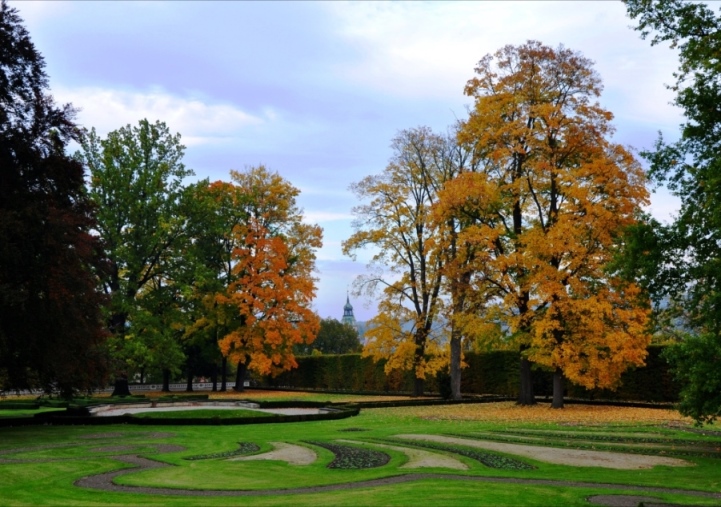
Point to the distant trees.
(51, 329)
(334, 337)
(680, 262)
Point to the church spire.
(348, 317)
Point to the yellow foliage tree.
(546, 213)
(410, 253)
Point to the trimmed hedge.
(495, 372)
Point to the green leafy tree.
(334, 337)
(136, 180)
(684, 257)
(224, 210)
(51, 329)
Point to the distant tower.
(348, 317)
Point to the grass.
(194, 414)
(24, 412)
(38, 465)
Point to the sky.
(317, 90)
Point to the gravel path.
(571, 457)
(293, 454)
(104, 482)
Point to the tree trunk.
(189, 384)
(117, 327)
(558, 388)
(121, 387)
(420, 342)
(224, 375)
(455, 367)
(240, 376)
(142, 375)
(214, 378)
(418, 387)
(166, 381)
(525, 395)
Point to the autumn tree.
(410, 251)
(547, 212)
(212, 258)
(51, 331)
(136, 180)
(681, 259)
(273, 260)
(334, 337)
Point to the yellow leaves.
(541, 218)
(571, 414)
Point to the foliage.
(136, 180)
(686, 259)
(695, 364)
(51, 333)
(273, 258)
(334, 337)
(397, 222)
(546, 212)
(351, 458)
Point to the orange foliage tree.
(272, 283)
(547, 211)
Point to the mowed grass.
(206, 413)
(38, 465)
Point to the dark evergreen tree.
(51, 331)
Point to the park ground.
(479, 454)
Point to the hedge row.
(495, 372)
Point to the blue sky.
(317, 90)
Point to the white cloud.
(429, 50)
(198, 121)
(33, 12)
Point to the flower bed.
(352, 458)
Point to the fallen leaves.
(571, 415)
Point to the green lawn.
(39, 465)
(192, 414)
(24, 412)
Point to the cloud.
(428, 50)
(199, 122)
(33, 12)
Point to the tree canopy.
(51, 331)
(681, 261)
(408, 264)
(546, 211)
(136, 181)
(334, 337)
(272, 287)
